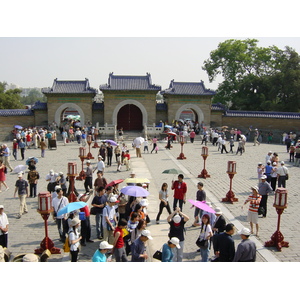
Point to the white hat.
(254, 188)
(74, 222)
(245, 231)
(30, 257)
(264, 177)
(218, 211)
(51, 172)
(88, 161)
(176, 218)
(175, 241)
(144, 202)
(1, 206)
(105, 245)
(274, 163)
(20, 174)
(57, 187)
(282, 162)
(147, 234)
(100, 156)
(113, 199)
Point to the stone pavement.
(25, 234)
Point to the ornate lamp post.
(204, 174)
(231, 171)
(96, 132)
(72, 173)
(280, 203)
(45, 208)
(83, 156)
(181, 141)
(89, 141)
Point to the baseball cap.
(105, 245)
(175, 241)
(147, 234)
(245, 231)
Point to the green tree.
(255, 78)
(9, 99)
(34, 95)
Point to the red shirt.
(86, 210)
(180, 189)
(120, 241)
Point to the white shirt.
(100, 165)
(282, 171)
(57, 205)
(3, 222)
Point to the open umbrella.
(168, 126)
(71, 207)
(30, 159)
(202, 205)
(171, 133)
(114, 182)
(19, 168)
(139, 140)
(113, 143)
(18, 126)
(171, 171)
(135, 191)
(136, 180)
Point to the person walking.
(224, 245)
(109, 151)
(22, 190)
(177, 221)
(274, 176)
(264, 188)
(246, 250)
(3, 176)
(88, 181)
(154, 144)
(164, 203)
(200, 196)
(22, 147)
(100, 165)
(109, 220)
(6, 157)
(3, 227)
(180, 189)
(43, 147)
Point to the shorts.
(252, 217)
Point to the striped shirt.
(254, 202)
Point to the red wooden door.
(130, 118)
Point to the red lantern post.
(181, 140)
(280, 203)
(82, 155)
(45, 208)
(96, 132)
(89, 141)
(231, 171)
(72, 173)
(204, 174)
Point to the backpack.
(66, 246)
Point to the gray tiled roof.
(16, 112)
(187, 88)
(40, 105)
(129, 83)
(260, 114)
(70, 87)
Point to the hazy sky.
(36, 62)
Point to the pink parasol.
(202, 205)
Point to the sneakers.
(18, 216)
(7, 189)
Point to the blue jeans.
(205, 253)
(99, 228)
(178, 253)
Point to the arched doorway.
(66, 108)
(130, 117)
(189, 110)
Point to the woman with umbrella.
(205, 235)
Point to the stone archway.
(126, 102)
(192, 107)
(64, 106)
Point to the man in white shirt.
(100, 164)
(58, 203)
(109, 220)
(3, 227)
(282, 173)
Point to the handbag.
(286, 175)
(203, 244)
(158, 255)
(261, 210)
(93, 210)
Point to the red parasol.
(114, 182)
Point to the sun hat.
(218, 211)
(245, 231)
(74, 222)
(30, 257)
(176, 218)
(147, 234)
(175, 241)
(105, 245)
(254, 188)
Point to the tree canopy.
(9, 99)
(255, 78)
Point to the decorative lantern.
(72, 169)
(231, 171)
(204, 173)
(89, 141)
(82, 156)
(182, 141)
(280, 203)
(72, 173)
(45, 208)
